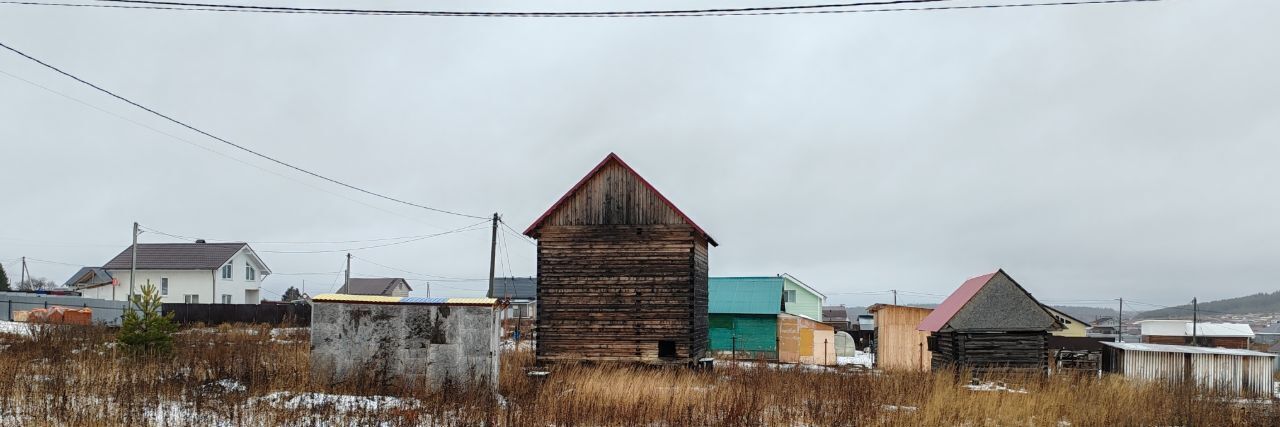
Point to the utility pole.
(346, 281)
(1120, 323)
(1195, 318)
(493, 249)
(22, 277)
(895, 296)
(133, 262)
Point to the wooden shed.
(899, 345)
(990, 323)
(622, 273)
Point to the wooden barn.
(899, 345)
(990, 323)
(622, 273)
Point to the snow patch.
(991, 386)
(15, 328)
(341, 403)
(859, 358)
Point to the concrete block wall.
(418, 344)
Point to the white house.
(196, 273)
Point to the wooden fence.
(215, 314)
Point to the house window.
(520, 311)
(249, 272)
(226, 298)
(191, 299)
(226, 272)
(789, 296)
(164, 286)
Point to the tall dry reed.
(254, 375)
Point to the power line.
(521, 237)
(471, 227)
(202, 147)
(330, 242)
(413, 272)
(223, 8)
(238, 146)
(513, 14)
(400, 242)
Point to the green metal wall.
(755, 332)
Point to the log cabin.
(622, 274)
(990, 323)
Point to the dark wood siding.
(986, 352)
(614, 196)
(613, 292)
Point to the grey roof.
(372, 286)
(1165, 348)
(1002, 305)
(514, 287)
(88, 276)
(835, 313)
(176, 256)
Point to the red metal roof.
(952, 305)
(614, 158)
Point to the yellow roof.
(472, 301)
(396, 300)
(355, 298)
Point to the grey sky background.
(1094, 152)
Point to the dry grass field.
(259, 376)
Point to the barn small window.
(933, 343)
(666, 349)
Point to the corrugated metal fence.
(104, 311)
(214, 314)
(1240, 374)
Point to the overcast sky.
(1094, 152)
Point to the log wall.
(984, 352)
(614, 292)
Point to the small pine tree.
(144, 329)
(4, 279)
(291, 294)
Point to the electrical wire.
(176, 6)
(471, 227)
(541, 14)
(302, 10)
(413, 272)
(238, 146)
(210, 150)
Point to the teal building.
(743, 312)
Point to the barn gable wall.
(614, 196)
(1001, 306)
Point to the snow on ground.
(991, 386)
(15, 328)
(859, 358)
(340, 402)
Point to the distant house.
(384, 286)
(1105, 325)
(193, 273)
(990, 323)
(1180, 332)
(1268, 335)
(88, 277)
(1071, 327)
(899, 345)
(521, 291)
(622, 273)
(770, 317)
(838, 317)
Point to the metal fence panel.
(104, 311)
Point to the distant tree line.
(1256, 303)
